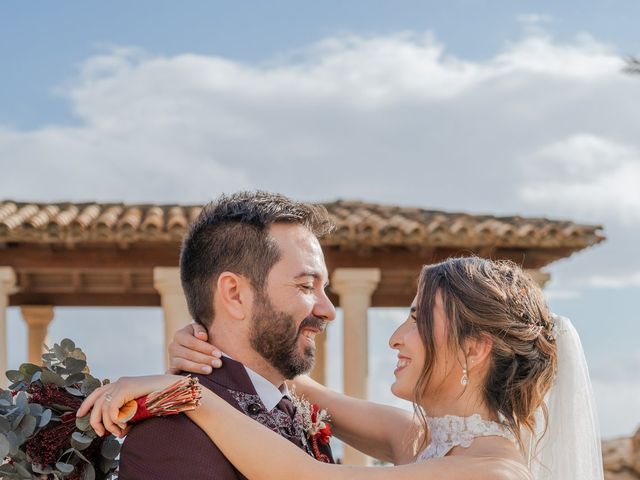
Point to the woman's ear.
(233, 295)
(478, 350)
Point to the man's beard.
(274, 336)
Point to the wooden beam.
(86, 299)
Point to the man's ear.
(234, 295)
(478, 351)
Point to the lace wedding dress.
(451, 431)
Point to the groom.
(254, 276)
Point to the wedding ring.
(108, 397)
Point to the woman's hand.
(190, 352)
(105, 402)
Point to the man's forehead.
(300, 249)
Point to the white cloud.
(614, 281)
(590, 175)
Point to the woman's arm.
(243, 441)
(381, 431)
(390, 437)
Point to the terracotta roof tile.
(358, 225)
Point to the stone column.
(538, 276)
(7, 286)
(37, 318)
(166, 280)
(319, 372)
(355, 287)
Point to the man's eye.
(308, 288)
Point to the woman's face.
(412, 354)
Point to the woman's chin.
(400, 392)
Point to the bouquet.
(40, 435)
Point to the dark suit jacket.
(173, 447)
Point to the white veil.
(570, 449)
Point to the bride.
(499, 386)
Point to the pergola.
(115, 254)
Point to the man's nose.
(324, 308)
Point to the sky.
(495, 107)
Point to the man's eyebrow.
(311, 273)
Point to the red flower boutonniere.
(315, 424)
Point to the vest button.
(254, 409)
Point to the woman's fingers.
(183, 359)
(88, 402)
(95, 419)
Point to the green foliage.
(43, 398)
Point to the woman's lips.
(403, 362)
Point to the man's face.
(293, 308)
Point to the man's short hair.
(231, 235)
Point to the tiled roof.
(358, 225)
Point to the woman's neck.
(461, 407)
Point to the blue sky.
(501, 107)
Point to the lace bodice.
(450, 431)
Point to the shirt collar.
(269, 394)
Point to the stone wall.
(622, 458)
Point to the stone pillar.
(355, 287)
(538, 276)
(7, 286)
(37, 318)
(166, 280)
(319, 372)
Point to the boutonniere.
(315, 425)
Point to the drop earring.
(465, 378)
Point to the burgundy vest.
(169, 448)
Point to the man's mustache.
(315, 323)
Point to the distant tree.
(633, 65)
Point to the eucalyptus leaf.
(28, 369)
(89, 473)
(110, 448)
(68, 344)
(50, 377)
(77, 354)
(89, 385)
(74, 365)
(23, 472)
(107, 464)
(36, 376)
(21, 400)
(45, 418)
(80, 441)
(82, 423)
(16, 419)
(74, 378)
(65, 467)
(74, 391)
(38, 469)
(59, 352)
(5, 425)
(14, 441)
(28, 425)
(35, 409)
(14, 376)
(5, 446)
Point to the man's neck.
(240, 350)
